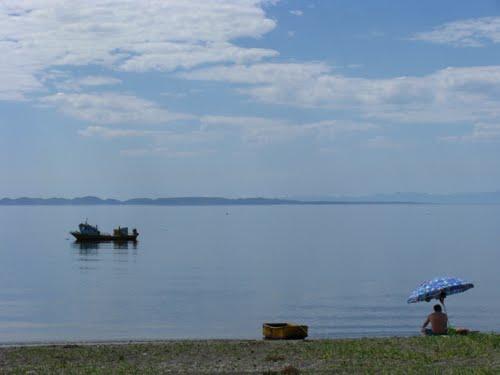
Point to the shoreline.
(126, 341)
(475, 352)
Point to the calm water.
(219, 272)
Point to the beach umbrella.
(439, 288)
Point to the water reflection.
(91, 254)
(91, 247)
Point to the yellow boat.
(284, 331)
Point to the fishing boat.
(284, 331)
(89, 232)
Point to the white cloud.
(240, 121)
(481, 132)
(14, 83)
(169, 56)
(164, 152)
(98, 81)
(375, 34)
(111, 108)
(448, 95)
(263, 73)
(104, 132)
(125, 35)
(475, 32)
(160, 138)
(297, 12)
(65, 82)
(382, 142)
(255, 130)
(266, 130)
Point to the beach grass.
(474, 353)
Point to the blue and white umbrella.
(439, 288)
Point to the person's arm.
(426, 323)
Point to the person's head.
(437, 308)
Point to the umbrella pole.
(444, 308)
(441, 299)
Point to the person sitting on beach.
(439, 322)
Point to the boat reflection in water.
(90, 246)
(93, 256)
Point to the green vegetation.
(474, 353)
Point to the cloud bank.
(110, 108)
(475, 32)
(447, 95)
(122, 35)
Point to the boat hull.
(103, 237)
(284, 331)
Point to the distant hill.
(396, 198)
(178, 201)
(457, 198)
(24, 201)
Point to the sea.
(216, 272)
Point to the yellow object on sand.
(284, 331)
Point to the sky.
(242, 98)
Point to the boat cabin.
(88, 229)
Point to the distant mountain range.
(179, 201)
(457, 198)
(396, 198)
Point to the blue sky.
(248, 97)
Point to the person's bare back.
(438, 321)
